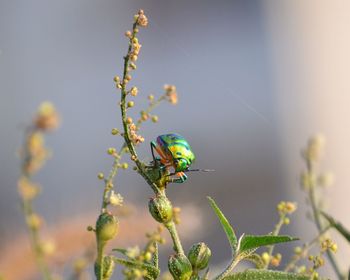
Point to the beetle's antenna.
(202, 170)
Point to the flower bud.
(106, 227)
(180, 267)
(161, 209)
(199, 256)
(108, 268)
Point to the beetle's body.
(175, 152)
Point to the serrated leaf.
(338, 226)
(231, 236)
(152, 272)
(252, 242)
(259, 274)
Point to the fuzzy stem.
(175, 237)
(275, 232)
(228, 269)
(318, 222)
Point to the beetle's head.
(181, 164)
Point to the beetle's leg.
(181, 177)
(153, 146)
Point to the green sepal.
(252, 242)
(231, 236)
(152, 272)
(155, 256)
(260, 274)
(338, 226)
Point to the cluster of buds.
(141, 19)
(286, 207)
(274, 260)
(145, 255)
(36, 152)
(328, 244)
(115, 199)
(134, 137)
(47, 118)
(314, 149)
(135, 50)
(27, 189)
(171, 94)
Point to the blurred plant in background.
(174, 161)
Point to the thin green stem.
(318, 222)
(275, 232)
(175, 237)
(228, 269)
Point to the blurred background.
(255, 80)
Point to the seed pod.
(199, 256)
(180, 267)
(161, 209)
(106, 227)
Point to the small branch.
(275, 232)
(316, 214)
(305, 250)
(228, 269)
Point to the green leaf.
(259, 274)
(338, 226)
(231, 236)
(121, 250)
(252, 242)
(152, 272)
(155, 257)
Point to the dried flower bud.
(100, 175)
(106, 227)
(161, 209)
(180, 267)
(141, 19)
(115, 131)
(130, 104)
(199, 256)
(47, 117)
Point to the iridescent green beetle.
(176, 153)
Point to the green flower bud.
(180, 267)
(108, 268)
(106, 227)
(199, 256)
(161, 209)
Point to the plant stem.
(141, 169)
(28, 211)
(175, 237)
(275, 232)
(316, 214)
(228, 269)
